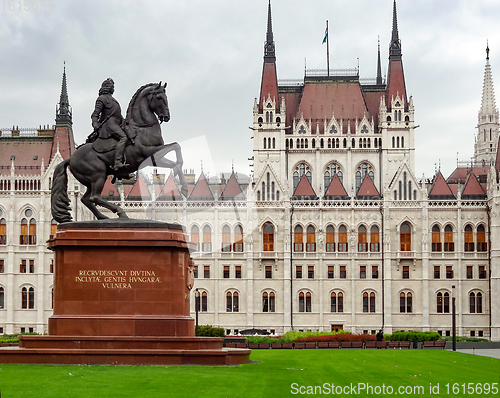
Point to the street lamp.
(196, 308)
(453, 318)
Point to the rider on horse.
(107, 119)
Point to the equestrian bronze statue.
(117, 147)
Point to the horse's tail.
(59, 194)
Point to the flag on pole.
(326, 35)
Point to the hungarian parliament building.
(332, 231)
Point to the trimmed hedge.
(210, 331)
(413, 335)
(465, 338)
(13, 338)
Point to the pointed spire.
(379, 67)
(269, 50)
(395, 46)
(63, 109)
(488, 106)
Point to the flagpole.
(327, 51)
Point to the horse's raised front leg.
(160, 161)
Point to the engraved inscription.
(117, 279)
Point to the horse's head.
(158, 102)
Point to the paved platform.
(493, 353)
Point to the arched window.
(195, 237)
(232, 302)
(305, 302)
(397, 142)
(268, 241)
(238, 239)
(482, 246)
(443, 302)
(207, 239)
(439, 302)
(402, 142)
(449, 245)
(368, 302)
(468, 239)
(345, 142)
(298, 237)
(405, 302)
(358, 180)
(475, 303)
(3, 232)
(436, 239)
(374, 239)
(353, 143)
(204, 302)
(405, 237)
(291, 144)
(274, 143)
(2, 298)
(337, 302)
(342, 238)
(226, 239)
(53, 228)
(265, 142)
(330, 239)
(295, 180)
(362, 241)
(268, 302)
(321, 143)
(311, 239)
(393, 142)
(28, 298)
(28, 229)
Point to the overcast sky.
(210, 53)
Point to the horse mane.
(134, 98)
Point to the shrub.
(210, 331)
(413, 335)
(465, 338)
(14, 338)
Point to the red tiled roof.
(336, 188)
(460, 174)
(232, 189)
(367, 188)
(108, 188)
(64, 137)
(269, 85)
(292, 101)
(396, 82)
(304, 188)
(372, 99)
(170, 190)
(25, 152)
(201, 189)
(472, 186)
(323, 99)
(440, 187)
(139, 190)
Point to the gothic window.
(268, 241)
(232, 302)
(468, 239)
(311, 239)
(337, 302)
(298, 144)
(195, 237)
(271, 116)
(300, 170)
(402, 142)
(375, 143)
(268, 177)
(405, 302)
(258, 195)
(361, 143)
(278, 121)
(358, 180)
(369, 144)
(329, 142)
(305, 304)
(342, 239)
(345, 142)
(302, 130)
(269, 142)
(272, 191)
(362, 241)
(264, 190)
(2, 298)
(298, 245)
(388, 119)
(374, 239)
(295, 180)
(397, 142)
(393, 142)
(260, 121)
(405, 237)
(482, 246)
(368, 302)
(353, 143)
(404, 186)
(265, 142)
(443, 302)
(238, 239)
(28, 229)
(364, 130)
(267, 117)
(330, 239)
(409, 190)
(449, 245)
(475, 303)
(327, 180)
(226, 239)
(305, 143)
(321, 143)
(28, 298)
(204, 302)
(313, 143)
(268, 302)
(436, 239)
(207, 239)
(330, 172)
(3, 232)
(333, 130)
(337, 143)
(286, 143)
(291, 144)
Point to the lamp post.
(453, 319)
(196, 308)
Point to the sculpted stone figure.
(103, 153)
(107, 120)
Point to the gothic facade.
(333, 230)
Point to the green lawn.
(271, 376)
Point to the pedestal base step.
(123, 351)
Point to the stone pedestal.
(121, 296)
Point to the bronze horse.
(148, 108)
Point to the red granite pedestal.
(121, 296)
